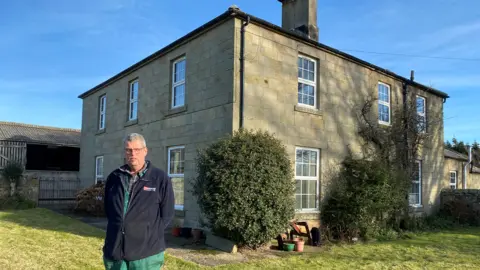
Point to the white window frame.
(308, 82)
(181, 82)
(102, 112)
(97, 175)
(133, 100)
(309, 178)
(419, 182)
(454, 185)
(176, 175)
(381, 102)
(422, 114)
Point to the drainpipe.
(242, 69)
(465, 168)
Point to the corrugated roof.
(454, 154)
(11, 131)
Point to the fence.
(12, 151)
(57, 192)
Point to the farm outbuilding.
(50, 157)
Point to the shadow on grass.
(44, 219)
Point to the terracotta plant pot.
(299, 245)
(176, 231)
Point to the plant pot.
(288, 246)
(299, 245)
(176, 231)
(197, 234)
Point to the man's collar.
(126, 168)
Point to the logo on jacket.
(149, 188)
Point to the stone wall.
(271, 102)
(28, 188)
(462, 204)
(206, 116)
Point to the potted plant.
(13, 172)
(299, 244)
(176, 228)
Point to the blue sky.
(52, 51)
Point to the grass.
(41, 239)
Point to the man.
(139, 204)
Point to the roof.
(10, 131)
(234, 12)
(449, 153)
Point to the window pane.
(312, 201)
(298, 187)
(305, 156)
(312, 187)
(298, 202)
(305, 170)
(180, 71)
(420, 105)
(415, 188)
(178, 190)
(298, 170)
(313, 170)
(179, 98)
(310, 76)
(305, 187)
(310, 66)
(177, 162)
(305, 201)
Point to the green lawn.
(41, 239)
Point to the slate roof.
(454, 155)
(11, 131)
(237, 13)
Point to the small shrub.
(16, 202)
(13, 172)
(363, 198)
(461, 211)
(245, 187)
(90, 200)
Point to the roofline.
(16, 124)
(237, 13)
(219, 19)
(36, 142)
(461, 156)
(319, 45)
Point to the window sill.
(304, 109)
(131, 122)
(179, 213)
(307, 211)
(175, 111)
(417, 207)
(100, 131)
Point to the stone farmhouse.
(239, 71)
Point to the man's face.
(135, 153)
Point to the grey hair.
(135, 137)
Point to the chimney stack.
(300, 16)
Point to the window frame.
(419, 182)
(308, 82)
(133, 100)
(384, 103)
(424, 113)
(309, 178)
(454, 185)
(97, 176)
(102, 113)
(171, 175)
(179, 83)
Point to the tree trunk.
(12, 188)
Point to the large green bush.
(245, 187)
(363, 199)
